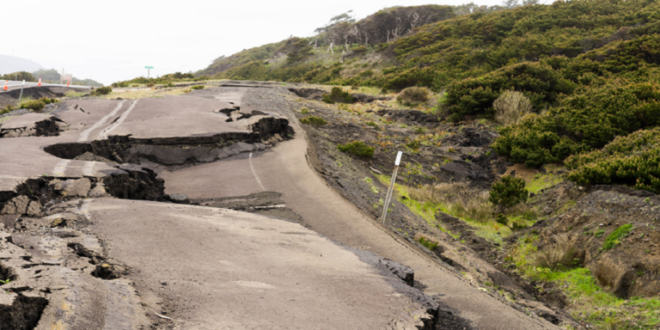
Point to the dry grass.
(413, 95)
(458, 200)
(563, 253)
(511, 107)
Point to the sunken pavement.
(200, 212)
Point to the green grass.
(313, 121)
(431, 245)
(543, 181)
(587, 301)
(615, 237)
(357, 148)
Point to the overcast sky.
(113, 40)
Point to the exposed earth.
(219, 210)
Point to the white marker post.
(388, 198)
(21, 96)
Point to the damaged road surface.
(89, 239)
(285, 170)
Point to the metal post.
(148, 73)
(388, 198)
(21, 96)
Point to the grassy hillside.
(54, 77)
(223, 63)
(588, 67)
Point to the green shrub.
(413, 95)
(313, 121)
(46, 100)
(36, 105)
(501, 219)
(632, 160)
(304, 111)
(538, 82)
(359, 50)
(7, 109)
(399, 79)
(357, 148)
(337, 95)
(615, 237)
(431, 245)
(102, 91)
(414, 144)
(197, 87)
(508, 192)
(583, 122)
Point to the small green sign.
(148, 67)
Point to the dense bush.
(21, 75)
(102, 91)
(196, 87)
(632, 160)
(164, 80)
(413, 95)
(36, 105)
(296, 50)
(7, 109)
(511, 107)
(357, 148)
(337, 95)
(472, 46)
(587, 120)
(508, 192)
(313, 121)
(538, 82)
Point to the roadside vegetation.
(101, 91)
(560, 266)
(167, 80)
(571, 89)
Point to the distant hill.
(10, 64)
(54, 77)
(341, 34)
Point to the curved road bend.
(285, 169)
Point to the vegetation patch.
(510, 107)
(413, 95)
(314, 121)
(357, 148)
(337, 95)
(585, 121)
(543, 181)
(431, 245)
(508, 192)
(631, 160)
(587, 301)
(537, 81)
(615, 237)
(35, 105)
(105, 90)
(197, 87)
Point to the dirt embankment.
(434, 152)
(614, 232)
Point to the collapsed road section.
(88, 239)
